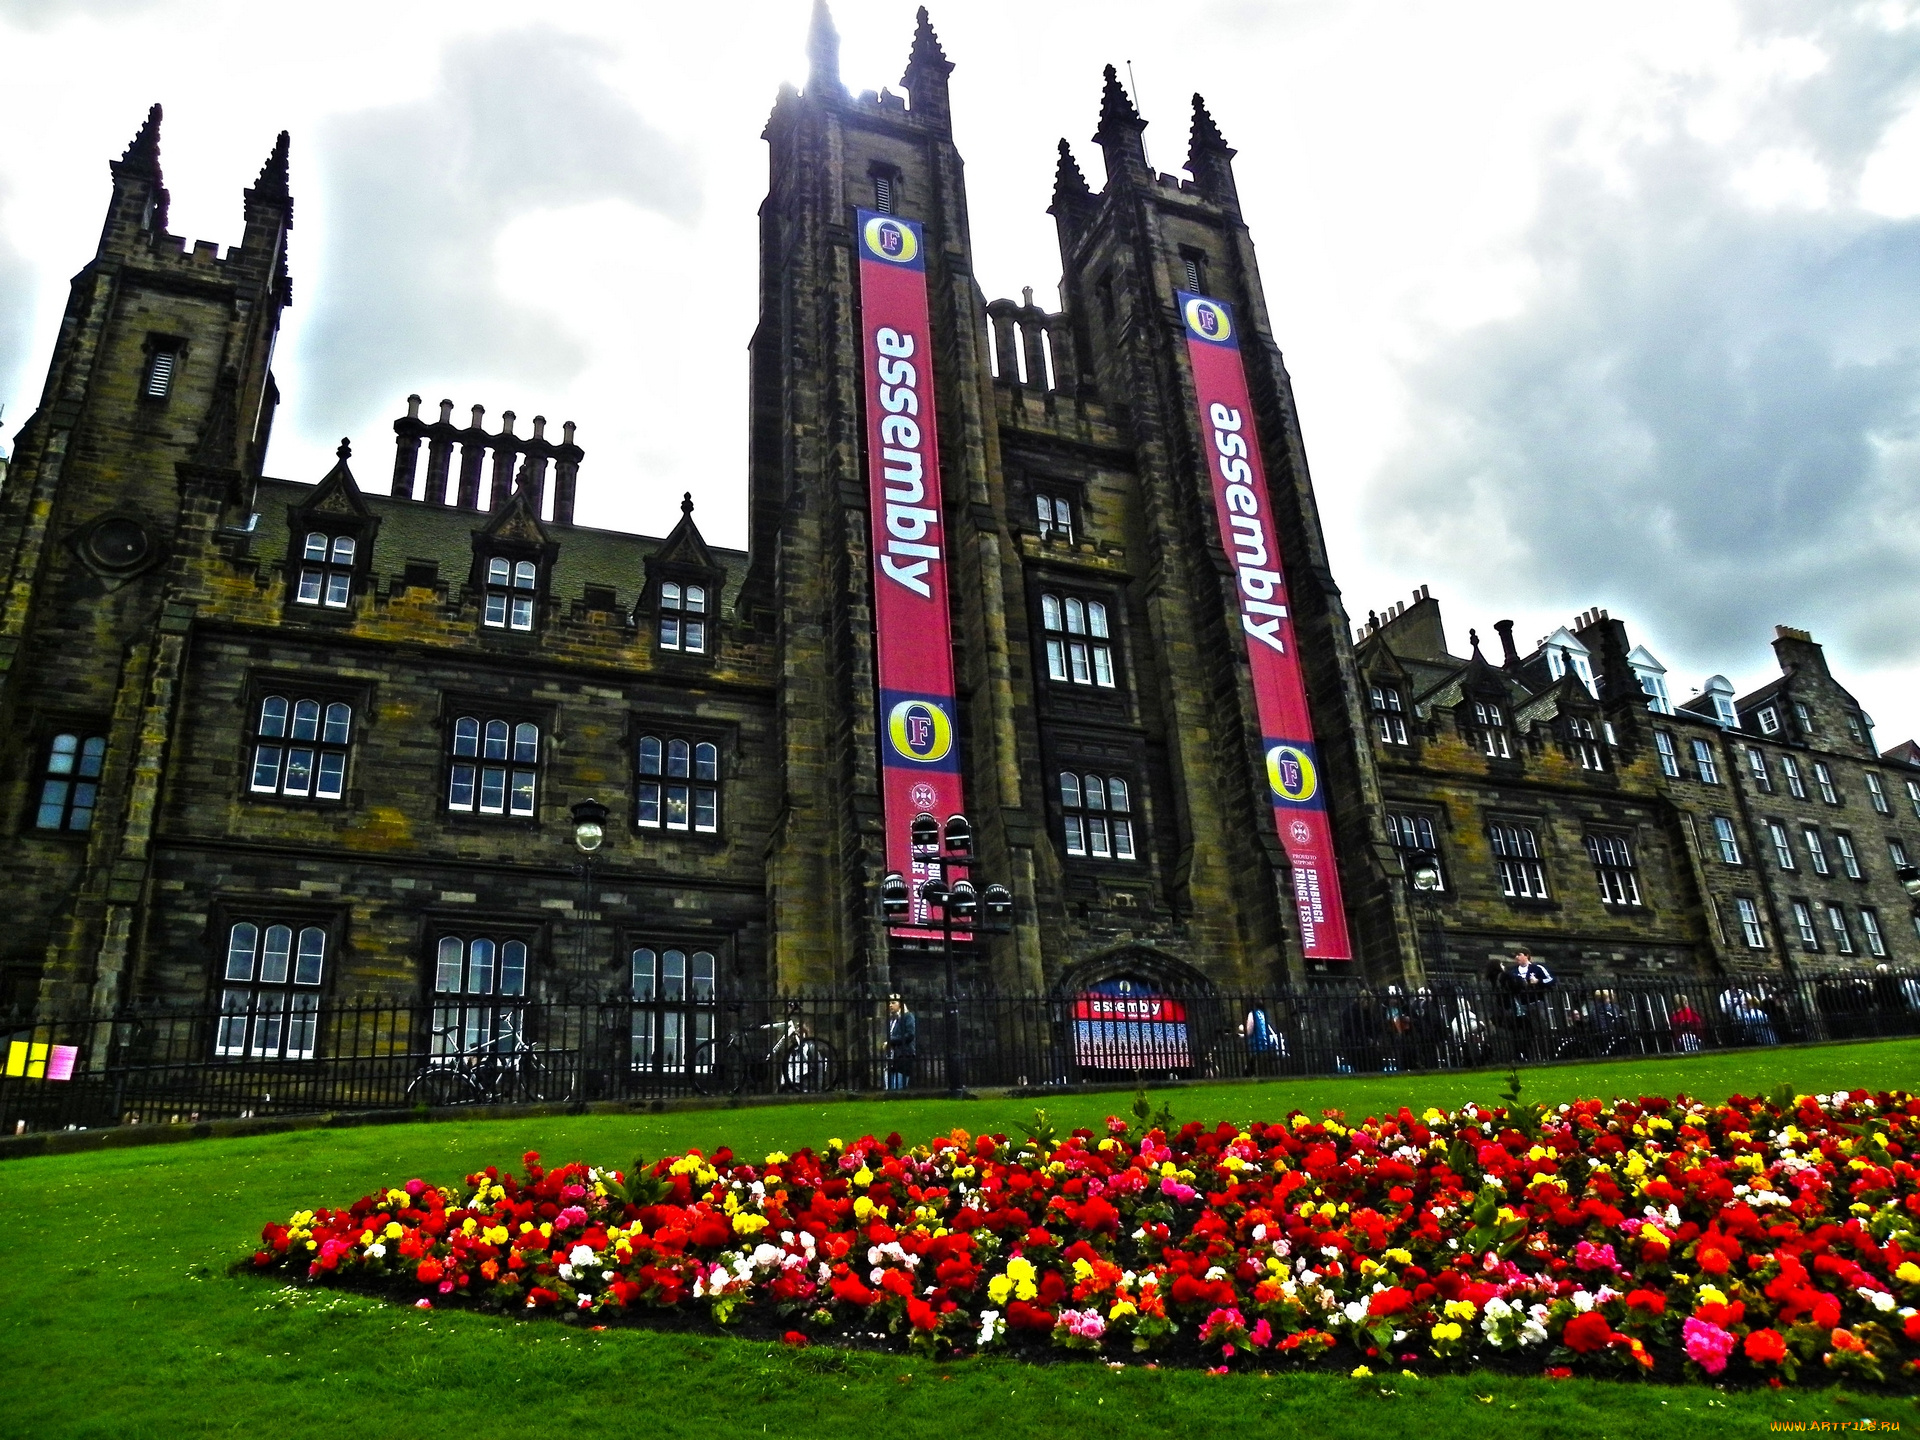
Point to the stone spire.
(272, 182)
(1070, 190)
(927, 70)
(1210, 158)
(143, 154)
(823, 55)
(1119, 133)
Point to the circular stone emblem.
(118, 543)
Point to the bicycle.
(779, 1055)
(519, 1075)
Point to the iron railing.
(145, 1065)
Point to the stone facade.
(262, 735)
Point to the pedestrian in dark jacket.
(903, 1043)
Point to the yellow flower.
(862, 1208)
(863, 1176)
(1121, 1309)
(1636, 1165)
(1460, 1309)
(836, 1143)
(776, 1157)
(1712, 1295)
(1020, 1268)
(1908, 1273)
(747, 1224)
(998, 1289)
(1445, 1332)
(496, 1235)
(1082, 1270)
(1399, 1256)
(1360, 1372)
(394, 1230)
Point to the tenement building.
(273, 742)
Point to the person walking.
(903, 1043)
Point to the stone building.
(1579, 813)
(269, 741)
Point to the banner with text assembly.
(919, 737)
(1245, 512)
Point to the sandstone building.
(269, 741)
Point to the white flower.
(1533, 1333)
(990, 1326)
(1879, 1299)
(875, 1255)
(1216, 1273)
(825, 1272)
(873, 1275)
(1498, 1309)
(766, 1256)
(566, 1271)
(1582, 1301)
(585, 1300)
(581, 1255)
(376, 1251)
(1356, 1311)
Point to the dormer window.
(683, 617)
(1389, 714)
(1565, 653)
(1769, 719)
(1584, 743)
(1490, 730)
(1652, 676)
(326, 570)
(511, 585)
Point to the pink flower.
(423, 1304)
(1707, 1345)
(1588, 1256)
(1261, 1335)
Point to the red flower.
(1766, 1347)
(795, 1339)
(1390, 1301)
(1651, 1301)
(429, 1272)
(1588, 1332)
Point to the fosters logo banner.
(1244, 509)
(919, 744)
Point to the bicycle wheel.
(441, 1086)
(706, 1077)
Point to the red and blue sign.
(919, 734)
(1244, 509)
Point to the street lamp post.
(961, 906)
(589, 833)
(1422, 869)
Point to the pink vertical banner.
(61, 1060)
(919, 736)
(1244, 509)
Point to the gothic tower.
(152, 426)
(1112, 758)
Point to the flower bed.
(1762, 1241)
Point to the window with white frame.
(270, 990)
(1412, 831)
(1897, 853)
(1728, 839)
(1490, 730)
(1816, 851)
(479, 994)
(1669, 759)
(1849, 861)
(1655, 684)
(1561, 658)
(1053, 516)
(1703, 763)
(1877, 793)
(678, 784)
(1782, 846)
(326, 570)
(1837, 923)
(1389, 714)
(511, 588)
(70, 783)
(1870, 927)
(1913, 797)
(1769, 719)
(673, 1007)
(1516, 852)
(1612, 858)
(1803, 922)
(1079, 640)
(1823, 777)
(1790, 768)
(683, 618)
(1757, 768)
(300, 748)
(1805, 716)
(1097, 812)
(1584, 742)
(496, 766)
(1750, 928)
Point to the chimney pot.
(506, 422)
(566, 432)
(413, 407)
(446, 412)
(539, 427)
(1508, 655)
(478, 411)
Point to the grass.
(118, 1316)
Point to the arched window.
(677, 784)
(1097, 816)
(326, 570)
(1078, 639)
(479, 989)
(511, 589)
(270, 990)
(1053, 516)
(673, 1008)
(495, 767)
(300, 748)
(683, 618)
(72, 784)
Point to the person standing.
(1533, 981)
(903, 1043)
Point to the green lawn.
(118, 1317)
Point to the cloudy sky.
(1586, 304)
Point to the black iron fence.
(154, 1066)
